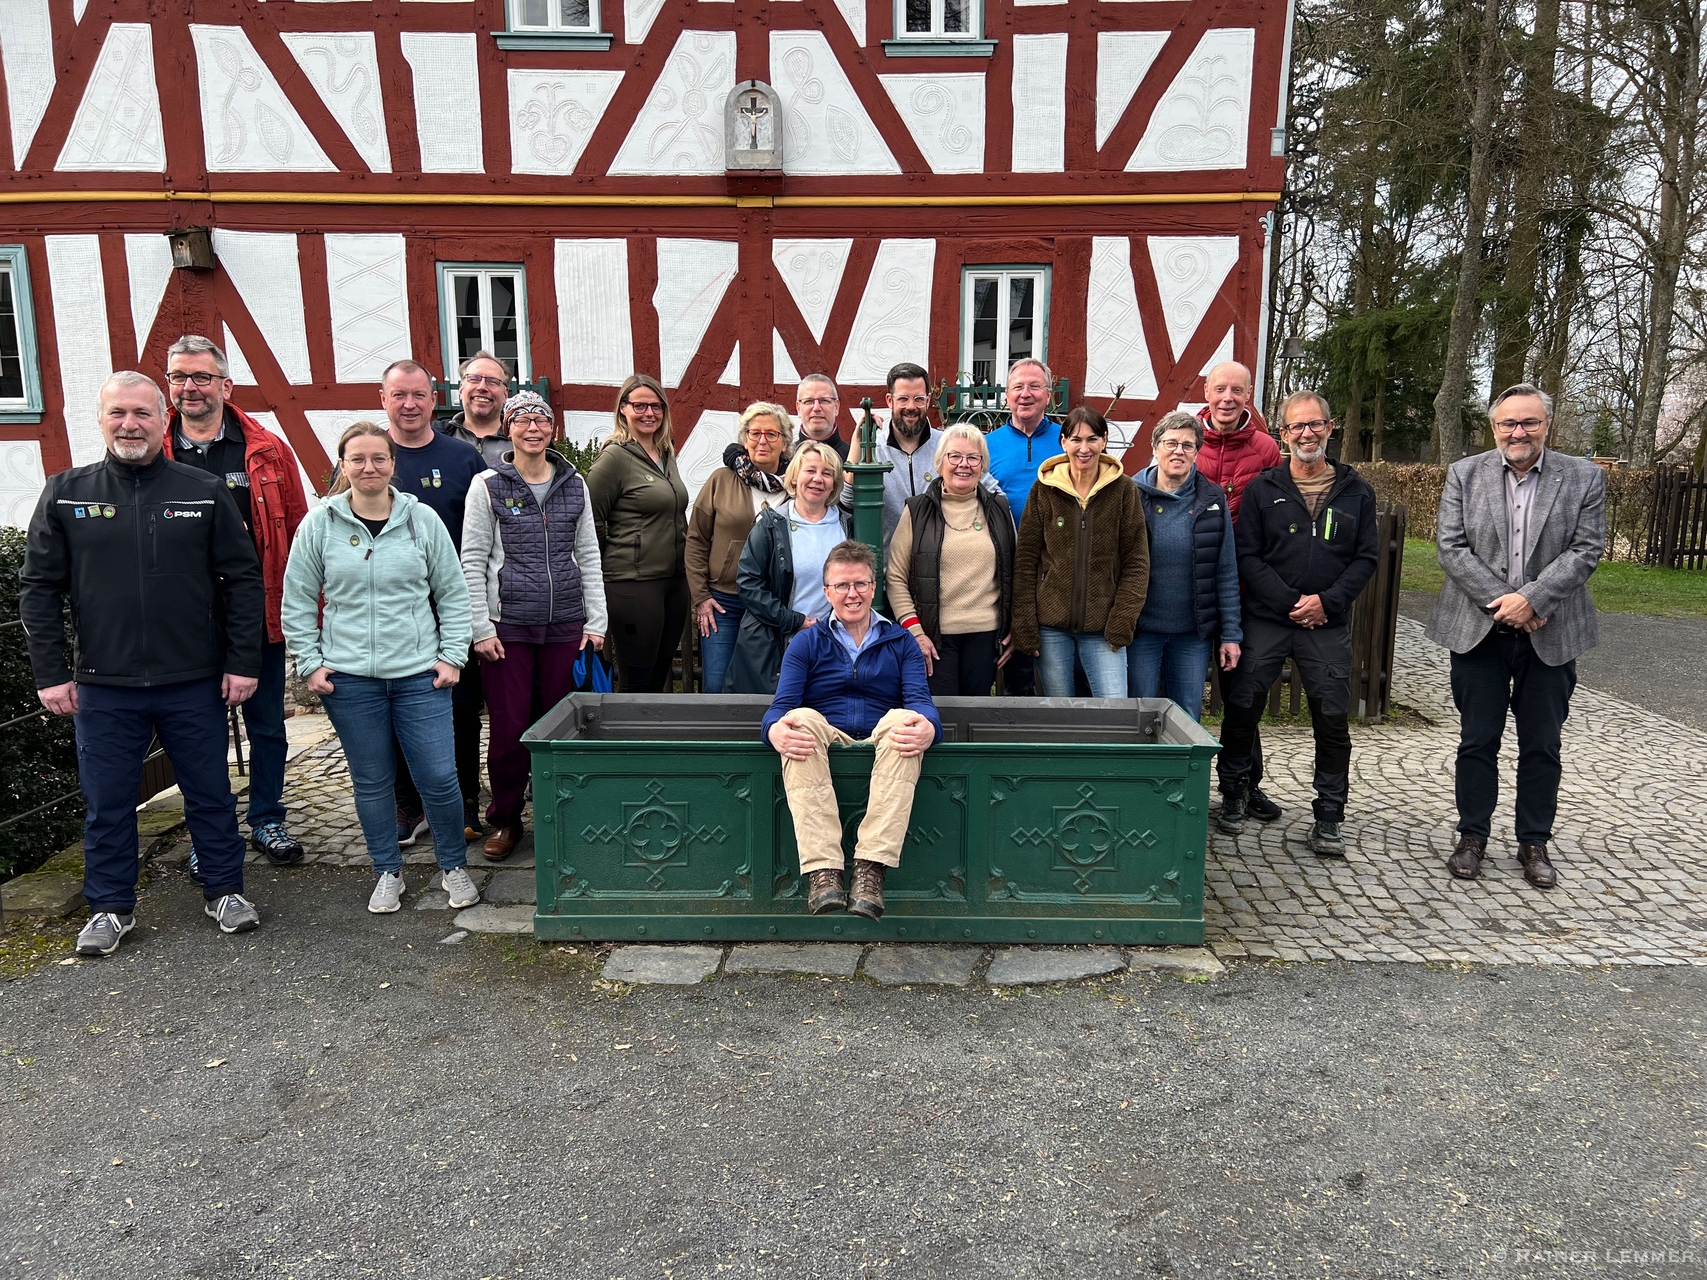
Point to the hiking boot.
(1466, 859)
(100, 937)
(866, 898)
(1325, 840)
(387, 894)
(277, 845)
(471, 828)
(1234, 806)
(824, 891)
(410, 823)
(233, 912)
(460, 888)
(1260, 807)
(1536, 867)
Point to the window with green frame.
(20, 367)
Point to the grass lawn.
(1617, 587)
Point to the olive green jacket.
(640, 511)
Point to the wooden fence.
(1677, 523)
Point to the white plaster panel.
(1189, 272)
(693, 275)
(894, 322)
(637, 19)
(310, 490)
(26, 52)
(117, 125)
(853, 12)
(945, 115)
(812, 270)
(80, 328)
(553, 115)
(581, 426)
(731, 375)
(343, 67)
(329, 424)
(1223, 353)
(265, 268)
(593, 331)
(445, 66)
(1122, 436)
(21, 481)
(236, 361)
(1203, 118)
(248, 125)
(826, 129)
(77, 9)
(1123, 60)
(367, 282)
(148, 260)
(1116, 353)
(1040, 103)
(680, 129)
(783, 371)
(703, 451)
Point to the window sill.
(14, 417)
(582, 41)
(919, 47)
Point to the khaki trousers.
(812, 800)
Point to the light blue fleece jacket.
(395, 604)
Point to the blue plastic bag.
(591, 674)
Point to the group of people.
(470, 565)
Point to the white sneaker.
(460, 886)
(387, 894)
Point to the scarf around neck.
(736, 459)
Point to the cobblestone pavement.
(1630, 848)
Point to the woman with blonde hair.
(781, 574)
(384, 650)
(951, 569)
(640, 510)
(723, 515)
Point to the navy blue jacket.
(1191, 540)
(852, 693)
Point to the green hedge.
(38, 758)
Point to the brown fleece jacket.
(1081, 564)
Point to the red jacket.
(276, 500)
(1232, 459)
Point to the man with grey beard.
(1306, 540)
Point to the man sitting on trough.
(857, 677)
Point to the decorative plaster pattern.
(1040, 103)
(826, 129)
(812, 270)
(148, 261)
(265, 268)
(894, 320)
(343, 67)
(592, 311)
(637, 19)
(446, 70)
(1203, 118)
(26, 52)
(731, 375)
(85, 346)
(692, 278)
(1189, 273)
(581, 426)
(117, 125)
(680, 129)
(853, 11)
(553, 115)
(945, 115)
(21, 481)
(783, 371)
(248, 125)
(1124, 58)
(367, 281)
(1223, 353)
(1116, 353)
(702, 453)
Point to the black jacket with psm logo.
(161, 575)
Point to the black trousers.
(965, 665)
(646, 619)
(1504, 672)
(1019, 677)
(1323, 659)
(467, 698)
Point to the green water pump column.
(868, 475)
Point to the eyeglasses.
(530, 420)
(200, 381)
(1312, 427)
(850, 588)
(1529, 426)
(770, 437)
(819, 402)
(963, 459)
(643, 410)
(1177, 446)
(483, 380)
(911, 400)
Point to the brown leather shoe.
(499, 844)
(824, 891)
(1466, 859)
(867, 895)
(1536, 868)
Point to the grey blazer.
(1567, 536)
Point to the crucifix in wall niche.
(752, 128)
(755, 111)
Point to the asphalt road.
(1656, 663)
(340, 1095)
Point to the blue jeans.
(114, 725)
(716, 649)
(264, 726)
(1105, 668)
(1172, 665)
(368, 713)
